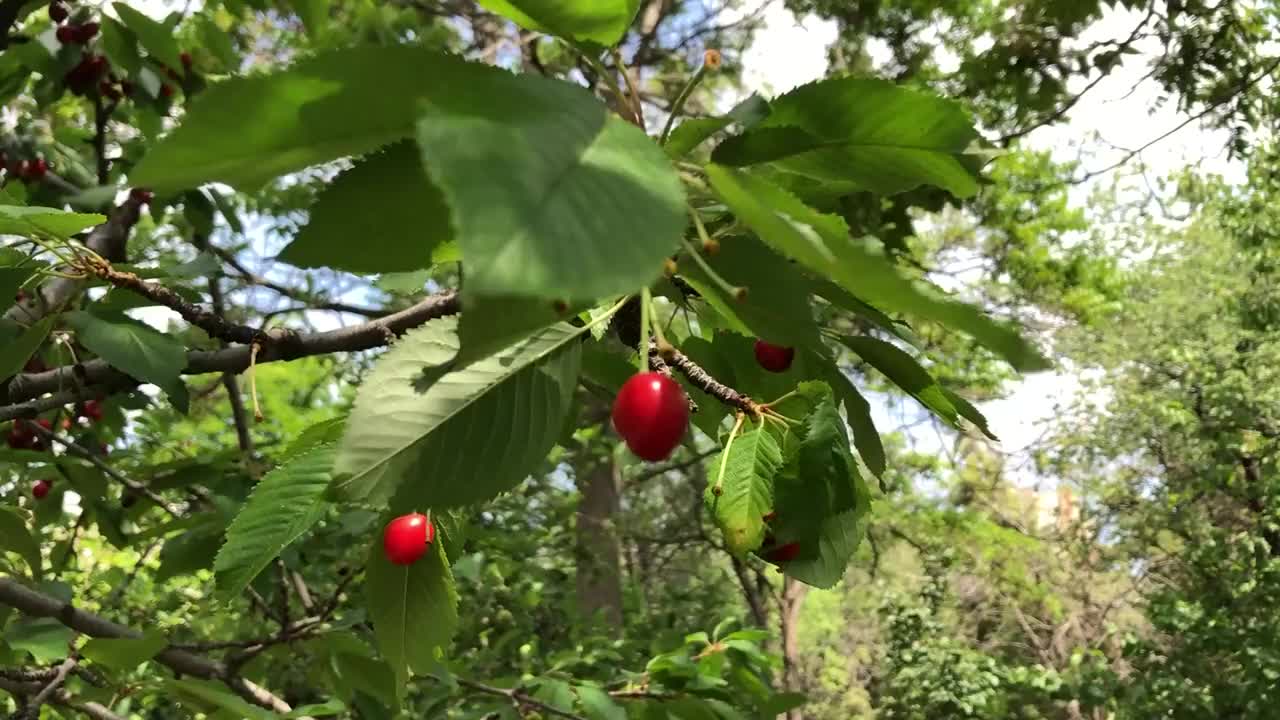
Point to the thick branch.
(280, 345)
(35, 604)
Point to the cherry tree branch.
(36, 604)
(96, 376)
(314, 304)
(89, 709)
(32, 710)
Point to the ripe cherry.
(186, 60)
(67, 34)
(86, 32)
(58, 11)
(142, 196)
(19, 437)
(37, 169)
(166, 90)
(774, 358)
(783, 553)
(651, 413)
(408, 538)
(92, 410)
(41, 489)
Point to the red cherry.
(166, 90)
(92, 410)
(41, 489)
(66, 34)
(774, 358)
(142, 196)
(770, 516)
(19, 437)
(36, 171)
(651, 413)
(86, 32)
(408, 538)
(186, 60)
(58, 11)
(785, 553)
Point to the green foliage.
(604, 23)
(382, 215)
(740, 492)
(863, 132)
(124, 653)
(543, 151)
(438, 411)
(414, 610)
(283, 507)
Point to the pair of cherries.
(651, 412)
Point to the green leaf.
(15, 537)
(156, 38)
(970, 413)
(203, 695)
(11, 279)
(600, 21)
(869, 132)
(16, 354)
(597, 705)
(45, 638)
(131, 346)
(744, 471)
(824, 507)
(858, 412)
(331, 707)
(414, 609)
(776, 308)
(903, 371)
(822, 243)
(382, 215)
(248, 130)
(692, 133)
(368, 675)
(191, 551)
(125, 653)
(555, 693)
(284, 505)
(546, 191)
(488, 324)
(217, 42)
(32, 221)
(413, 418)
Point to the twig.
(32, 710)
(314, 304)
(518, 698)
(86, 454)
(36, 604)
(89, 709)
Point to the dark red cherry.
(774, 358)
(41, 489)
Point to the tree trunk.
(599, 550)
(793, 594)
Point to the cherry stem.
(253, 380)
(734, 291)
(724, 459)
(678, 105)
(646, 299)
(769, 405)
(637, 108)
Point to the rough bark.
(599, 551)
